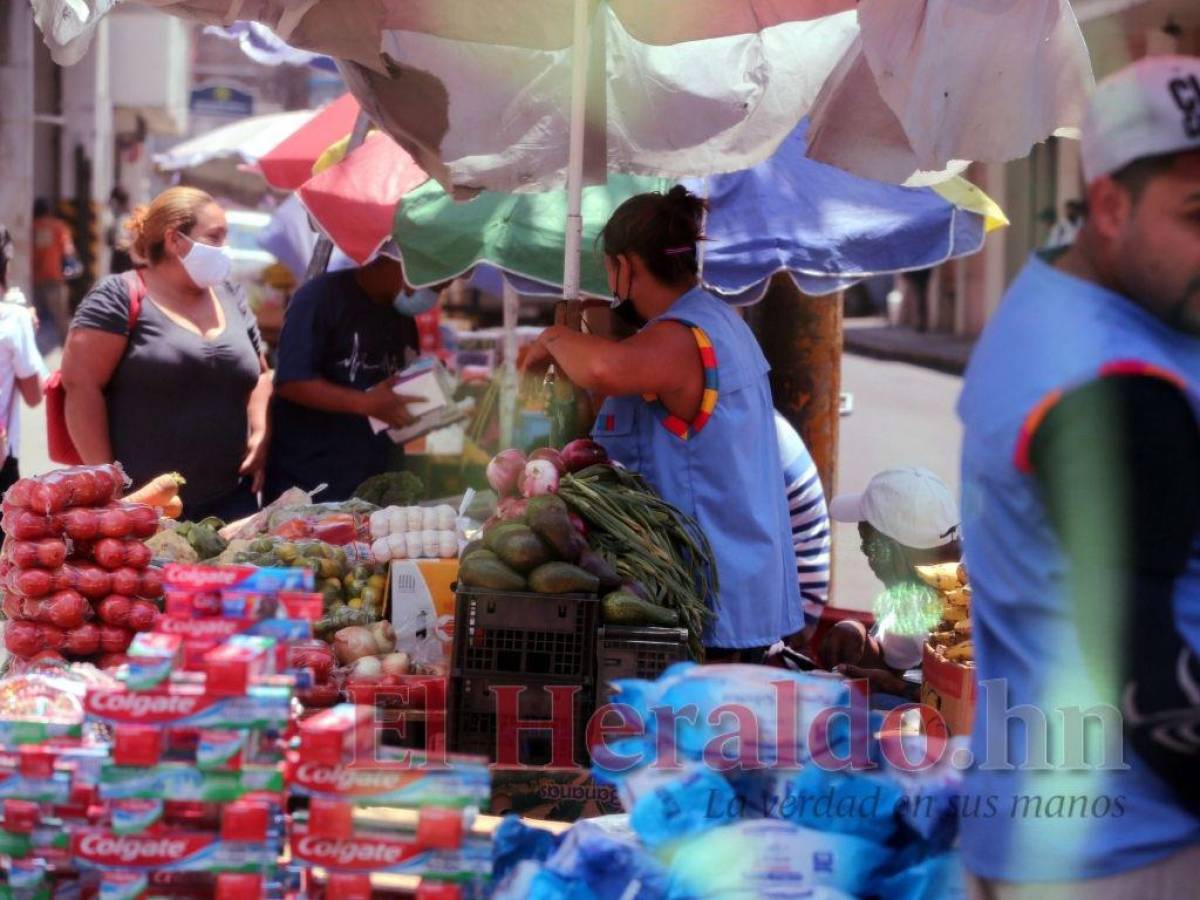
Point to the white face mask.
(206, 265)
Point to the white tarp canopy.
(479, 91)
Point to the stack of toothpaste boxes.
(179, 783)
(339, 765)
(191, 790)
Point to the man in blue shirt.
(1081, 517)
(343, 342)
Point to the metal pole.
(579, 85)
(509, 384)
(324, 248)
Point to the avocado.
(493, 534)
(522, 551)
(593, 562)
(624, 608)
(548, 517)
(563, 578)
(480, 572)
(480, 552)
(470, 548)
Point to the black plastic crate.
(628, 651)
(475, 724)
(526, 634)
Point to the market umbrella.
(826, 228)
(353, 201)
(289, 163)
(221, 160)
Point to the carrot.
(158, 491)
(173, 508)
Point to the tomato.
(92, 581)
(144, 519)
(115, 523)
(81, 524)
(114, 610)
(18, 494)
(54, 637)
(320, 695)
(126, 581)
(82, 641)
(66, 609)
(137, 555)
(142, 614)
(24, 554)
(114, 639)
(112, 660)
(23, 639)
(88, 487)
(32, 582)
(51, 553)
(109, 553)
(151, 586)
(24, 525)
(12, 606)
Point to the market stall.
(246, 709)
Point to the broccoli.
(391, 489)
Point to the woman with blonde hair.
(164, 367)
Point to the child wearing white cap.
(906, 517)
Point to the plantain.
(942, 577)
(961, 653)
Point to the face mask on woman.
(422, 300)
(205, 264)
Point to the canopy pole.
(579, 85)
(324, 248)
(509, 383)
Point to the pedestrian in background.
(54, 260)
(117, 236)
(22, 370)
(164, 369)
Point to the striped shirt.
(810, 520)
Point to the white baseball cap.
(1147, 109)
(912, 506)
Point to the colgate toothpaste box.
(201, 635)
(231, 666)
(263, 707)
(137, 745)
(100, 848)
(461, 783)
(182, 782)
(343, 733)
(151, 659)
(378, 852)
(189, 577)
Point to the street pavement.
(903, 415)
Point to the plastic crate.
(476, 727)
(627, 651)
(525, 634)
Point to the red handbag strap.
(137, 291)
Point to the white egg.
(415, 547)
(446, 517)
(429, 518)
(415, 518)
(397, 520)
(381, 550)
(447, 545)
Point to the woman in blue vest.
(688, 405)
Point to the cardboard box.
(559, 795)
(421, 602)
(949, 688)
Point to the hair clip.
(676, 251)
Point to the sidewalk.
(873, 337)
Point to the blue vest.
(723, 470)
(1051, 333)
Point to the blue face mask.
(419, 301)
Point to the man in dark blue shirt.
(341, 346)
